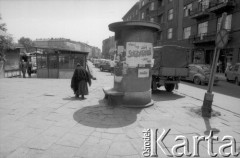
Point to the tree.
(3, 25)
(6, 41)
(27, 44)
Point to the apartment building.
(207, 17)
(132, 14)
(193, 24)
(108, 48)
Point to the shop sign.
(142, 73)
(138, 53)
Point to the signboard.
(138, 53)
(120, 49)
(222, 39)
(142, 73)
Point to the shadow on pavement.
(209, 127)
(162, 95)
(104, 116)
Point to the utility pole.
(221, 41)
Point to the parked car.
(96, 62)
(233, 73)
(199, 74)
(105, 65)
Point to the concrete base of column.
(137, 99)
(207, 105)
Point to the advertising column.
(134, 45)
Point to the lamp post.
(221, 41)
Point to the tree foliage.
(6, 41)
(27, 43)
(3, 26)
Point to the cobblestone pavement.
(40, 118)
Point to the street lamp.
(221, 41)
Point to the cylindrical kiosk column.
(134, 45)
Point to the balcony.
(153, 13)
(203, 38)
(199, 13)
(206, 38)
(220, 6)
(161, 10)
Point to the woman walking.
(79, 81)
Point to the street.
(41, 118)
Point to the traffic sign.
(222, 39)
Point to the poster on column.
(138, 53)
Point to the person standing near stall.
(23, 67)
(79, 81)
(112, 65)
(29, 68)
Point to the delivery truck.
(170, 65)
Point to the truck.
(170, 65)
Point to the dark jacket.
(80, 74)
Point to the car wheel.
(169, 87)
(227, 79)
(197, 80)
(236, 81)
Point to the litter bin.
(132, 74)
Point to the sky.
(79, 20)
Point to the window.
(160, 18)
(160, 37)
(143, 15)
(204, 4)
(152, 6)
(228, 23)
(160, 3)
(143, 3)
(186, 32)
(170, 33)
(236, 67)
(187, 10)
(202, 28)
(152, 19)
(69, 61)
(170, 14)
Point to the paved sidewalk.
(40, 118)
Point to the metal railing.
(203, 37)
(215, 3)
(206, 37)
(200, 9)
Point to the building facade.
(108, 48)
(193, 24)
(132, 14)
(63, 43)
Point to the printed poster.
(138, 53)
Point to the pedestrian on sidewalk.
(23, 67)
(79, 81)
(112, 65)
(29, 68)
